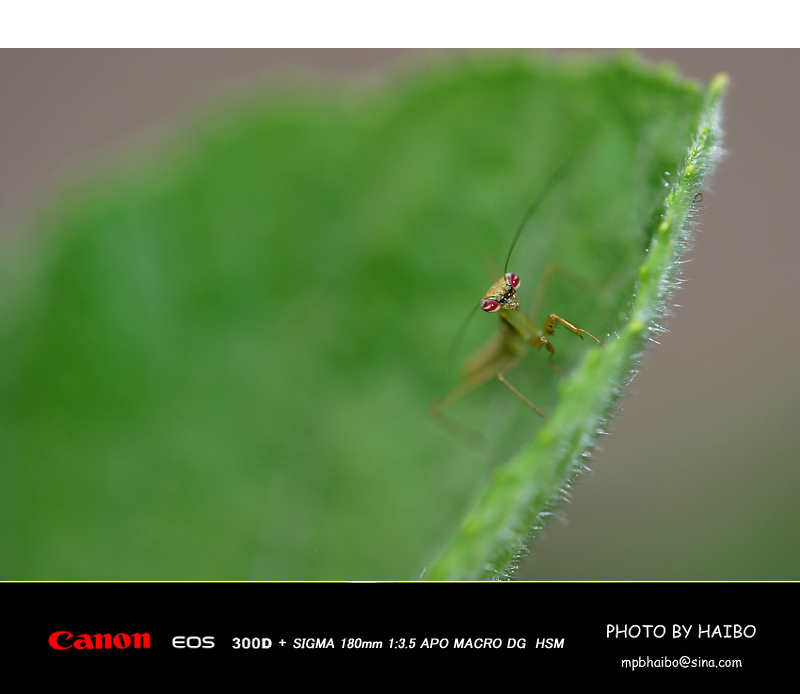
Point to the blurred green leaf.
(217, 362)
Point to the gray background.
(700, 477)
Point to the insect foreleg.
(553, 320)
(549, 326)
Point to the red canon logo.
(64, 640)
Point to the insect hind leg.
(501, 376)
(488, 367)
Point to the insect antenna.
(551, 183)
(554, 179)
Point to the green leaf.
(218, 360)
(522, 492)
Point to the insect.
(517, 330)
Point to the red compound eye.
(512, 280)
(490, 305)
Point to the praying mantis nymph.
(517, 330)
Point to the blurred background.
(700, 477)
